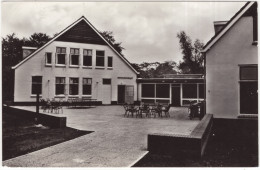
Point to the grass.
(227, 147)
(21, 136)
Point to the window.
(248, 89)
(106, 81)
(201, 91)
(87, 57)
(162, 90)
(86, 85)
(148, 90)
(60, 86)
(189, 90)
(48, 58)
(36, 84)
(74, 86)
(61, 55)
(100, 58)
(110, 62)
(74, 56)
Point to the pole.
(37, 107)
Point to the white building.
(231, 66)
(78, 62)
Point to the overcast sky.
(147, 30)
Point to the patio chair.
(165, 110)
(129, 108)
(144, 109)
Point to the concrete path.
(117, 141)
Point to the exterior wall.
(35, 66)
(222, 68)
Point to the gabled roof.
(228, 25)
(67, 29)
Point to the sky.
(147, 30)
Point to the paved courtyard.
(117, 141)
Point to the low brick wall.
(47, 120)
(182, 145)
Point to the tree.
(192, 57)
(37, 40)
(168, 67)
(108, 35)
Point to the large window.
(110, 62)
(87, 57)
(189, 90)
(162, 90)
(74, 86)
(74, 56)
(48, 57)
(61, 55)
(36, 84)
(60, 86)
(148, 90)
(86, 85)
(100, 58)
(201, 91)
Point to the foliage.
(108, 35)
(155, 69)
(192, 57)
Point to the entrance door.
(176, 97)
(248, 98)
(121, 94)
(106, 91)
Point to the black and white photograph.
(161, 84)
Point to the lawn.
(21, 136)
(228, 146)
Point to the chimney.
(218, 25)
(27, 51)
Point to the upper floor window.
(48, 58)
(60, 86)
(74, 56)
(74, 86)
(86, 85)
(87, 57)
(36, 84)
(110, 62)
(100, 58)
(61, 55)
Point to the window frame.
(73, 84)
(98, 56)
(59, 84)
(35, 83)
(87, 55)
(110, 57)
(46, 59)
(57, 58)
(87, 84)
(74, 54)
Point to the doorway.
(125, 94)
(121, 94)
(248, 98)
(176, 95)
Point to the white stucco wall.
(36, 66)
(222, 70)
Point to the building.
(176, 89)
(231, 66)
(77, 63)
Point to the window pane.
(189, 90)
(100, 61)
(87, 60)
(74, 60)
(110, 62)
(58, 50)
(248, 73)
(106, 81)
(60, 89)
(37, 79)
(36, 85)
(148, 90)
(72, 51)
(61, 59)
(73, 89)
(77, 51)
(201, 91)
(48, 58)
(162, 90)
(87, 89)
(100, 53)
(63, 50)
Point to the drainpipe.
(205, 92)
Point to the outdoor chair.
(165, 110)
(130, 109)
(46, 105)
(144, 109)
(56, 106)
